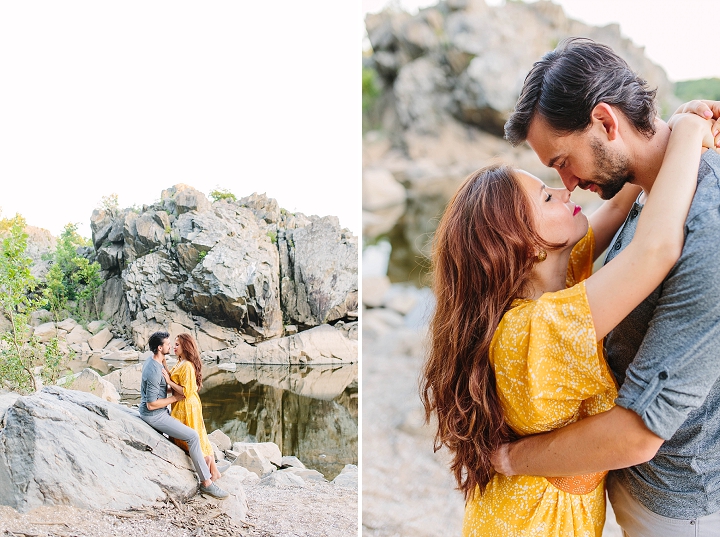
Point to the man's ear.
(605, 118)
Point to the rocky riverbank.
(68, 448)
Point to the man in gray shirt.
(153, 410)
(664, 431)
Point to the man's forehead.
(547, 143)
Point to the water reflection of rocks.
(309, 412)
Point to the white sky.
(133, 97)
(679, 36)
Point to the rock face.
(319, 272)
(63, 447)
(229, 272)
(448, 78)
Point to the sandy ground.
(317, 510)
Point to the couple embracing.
(185, 424)
(545, 376)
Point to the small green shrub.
(109, 203)
(273, 236)
(222, 194)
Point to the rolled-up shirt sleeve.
(679, 359)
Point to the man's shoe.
(214, 491)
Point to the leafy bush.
(20, 351)
(109, 203)
(222, 194)
(72, 277)
(370, 88)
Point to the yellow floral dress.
(550, 372)
(189, 410)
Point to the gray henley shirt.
(152, 387)
(666, 357)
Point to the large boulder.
(236, 282)
(63, 447)
(126, 380)
(89, 381)
(319, 270)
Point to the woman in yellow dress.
(516, 335)
(186, 379)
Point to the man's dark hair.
(156, 340)
(568, 82)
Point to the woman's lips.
(577, 210)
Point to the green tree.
(702, 88)
(72, 276)
(222, 194)
(20, 351)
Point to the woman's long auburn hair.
(482, 259)
(191, 353)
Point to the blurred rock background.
(438, 87)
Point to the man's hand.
(704, 109)
(501, 460)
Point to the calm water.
(309, 412)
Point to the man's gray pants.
(165, 423)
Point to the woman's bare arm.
(618, 287)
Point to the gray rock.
(100, 225)
(99, 365)
(319, 272)
(126, 380)
(264, 208)
(348, 478)
(290, 460)
(221, 439)
(282, 479)
(78, 335)
(45, 332)
(99, 340)
(68, 324)
(190, 199)
(89, 381)
(235, 505)
(254, 461)
(305, 474)
(269, 450)
(62, 447)
(126, 355)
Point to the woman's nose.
(562, 193)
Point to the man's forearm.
(614, 439)
(162, 403)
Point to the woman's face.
(177, 351)
(557, 219)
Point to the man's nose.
(569, 180)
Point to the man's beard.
(612, 170)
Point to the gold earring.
(542, 255)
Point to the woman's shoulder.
(183, 366)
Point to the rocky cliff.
(447, 78)
(232, 273)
